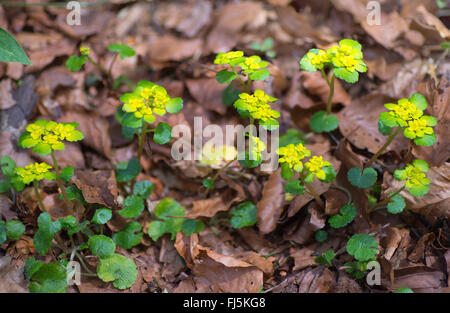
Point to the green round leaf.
(365, 180)
(14, 229)
(190, 227)
(163, 133)
(362, 246)
(346, 215)
(129, 237)
(67, 173)
(325, 258)
(286, 172)
(123, 50)
(404, 289)
(426, 140)
(230, 95)
(101, 216)
(244, 215)
(419, 101)
(2, 232)
(102, 246)
(49, 278)
(260, 75)
(208, 183)
(246, 162)
(74, 63)
(8, 165)
(294, 187)
(175, 105)
(143, 188)
(118, 269)
(396, 205)
(320, 235)
(132, 206)
(156, 229)
(225, 76)
(128, 171)
(321, 122)
(349, 77)
(419, 191)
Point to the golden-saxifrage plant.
(345, 62)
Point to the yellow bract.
(416, 176)
(257, 105)
(147, 101)
(252, 64)
(404, 111)
(256, 147)
(418, 128)
(292, 155)
(226, 58)
(33, 172)
(315, 165)
(85, 50)
(345, 56)
(320, 59)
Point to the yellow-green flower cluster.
(257, 104)
(252, 64)
(45, 136)
(292, 155)
(231, 58)
(415, 178)
(85, 50)
(316, 166)
(408, 114)
(34, 172)
(147, 100)
(346, 60)
(215, 155)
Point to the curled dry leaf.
(12, 279)
(419, 278)
(393, 242)
(303, 231)
(97, 186)
(215, 272)
(303, 257)
(418, 253)
(95, 129)
(317, 280)
(170, 48)
(229, 21)
(270, 205)
(208, 93)
(435, 202)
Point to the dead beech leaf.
(316, 85)
(264, 264)
(304, 231)
(215, 272)
(394, 237)
(12, 279)
(419, 278)
(358, 122)
(317, 280)
(295, 95)
(208, 93)
(335, 200)
(5, 94)
(419, 250)
(170, 48)
(95, 129)
(70, 156)
(229, 21)
(303, 257)
(435, 202)
(429, 20)
(270, 205)
(97, 186)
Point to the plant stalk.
(142, 137)
(38, 197)
(385, 201)
(60, 182)
(331, 86)
(381, 150)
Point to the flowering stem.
(142, 137)
(331, 86)
(381, 150)
(101, 68)
(38, 197)
(59, 181)
(222, 169)
(385, 201)
(313, 193)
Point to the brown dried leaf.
(419, 279)
(5, 94)
(303, 257)
(97, 186)
(208, 93)
(170, 48)
(316, 85)
(270, 205)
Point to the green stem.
(142, 137)
(111, 65)
(381, 150)
(331, 86)
(60, 182)
(80, 257)
(101, 68)
(222, 169)
(313, 193)
(385, 201)
(38, 196)
(243, 85)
